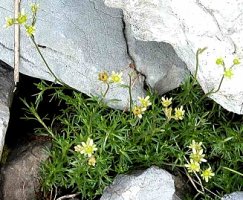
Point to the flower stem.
(107, 89)
(130, 92)
(221, 81)
(44, 60)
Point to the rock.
(6, 95)
(153, 183)
(233, 196)
(81, 38)
(158, 62)
(20, 174)
(189, 25)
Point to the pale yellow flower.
(236, 61)
(168, 113)
(78, 148)
(193, 166)
(179, 113)
(207, 174)
(22, 17)
(9, 22)
(87, 148)
(34, 7)
(104, 77)
(220, 61)
(198, 156)
(145, 102)
(228, 73)
(116, 77)
(92, 161)
(195, 146)
(166, 102)
(138, 111)
(30, 30)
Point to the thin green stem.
(130, 92)
(236, 172)
(221, 81)
(44, 60)
(197, 64)
(107, 89)
(212, 91)
(36, 115)
(199, 51)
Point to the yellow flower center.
(116, 79)
(194, 167)
(89, 149)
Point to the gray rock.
(189, 25)
(21, 173)
(82, 38)
(233, 196)
(6, 95)
(151, 184)
(157, 61)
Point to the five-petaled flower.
(34, 7)
(195, 146)
(166, 102)
(92, 161)
(87, 148)
(9, 22)
(236, 61)
(30, 30)
(138, 111)
(179, 113)
(104, 77)
(207, 174)
(220, 61)
(22, 17)
(193, 166)
(116, 77)
(168, 113)
(145, 102)
(228, 73)
(198, 156)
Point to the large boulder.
(81, 38)
(233, 196)
(6, 95)
(20, 174)
(150, 184)
(189, 25)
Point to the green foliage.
(126, 142)
(136, 139)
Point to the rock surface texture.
(192, 24)
(21, 172)
(6, 95)
(151, 184)
(233, 196)
(79, 39)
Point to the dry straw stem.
(16, 42)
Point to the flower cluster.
(139, 109)
(87, 148)
(228, 72)
(196, 158)
(178, 112)
(22, 20)
(113, 78)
